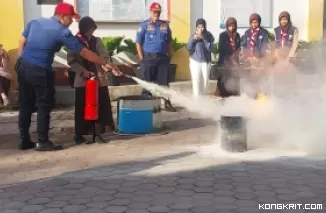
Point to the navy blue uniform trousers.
(36, 88)
(155, 68)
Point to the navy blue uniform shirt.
(45, 37)
(261, 42)
(154, 36)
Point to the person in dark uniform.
(286, 37)
(255, 40)
(154, 48)
(40, 40)
(255, 51)
(286, 43)
(229, 46)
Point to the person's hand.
(86, 74)
(196, 36)
(114, 69)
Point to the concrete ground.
(174, 173)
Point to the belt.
(154, 55)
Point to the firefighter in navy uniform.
(154, 48)
(40, 40)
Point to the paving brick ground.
(152, 174)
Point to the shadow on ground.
(180, 183)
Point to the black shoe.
(79, 139)
(99, 139)
(23, 145)
(168, 106)
(48, 146)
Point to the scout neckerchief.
(284, 33)
(254, 33)
(90, 44)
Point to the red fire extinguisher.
(91, 102)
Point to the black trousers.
(155, 68)
(36, 88)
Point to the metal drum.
(233, 134)
(139, 115)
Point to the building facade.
(307, 16)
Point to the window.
(48, 2)
(242, 9)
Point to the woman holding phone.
(200, 47)
(5, 76)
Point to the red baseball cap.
(155, 7)
(66, 9)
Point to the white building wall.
(208, 9)
(299, 10)
(33, 11)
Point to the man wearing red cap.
(154, 47)
(41, 39)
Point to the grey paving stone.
(93, 210)
(181, 206)
(99, 205)
(23, 197)
(32, 208)
(10, 211)
(184, 192)
(79, 201)
(73, 208)
(158, 209)
(120, 202)
(51, 210)
(39, 201)
(137, 211)
(5, 201)
(14, 205)
(57, 204)
(101, 198)
(206, 209)
(116, 209)
(134, 205)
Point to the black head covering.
(85, 24)
(201, 21)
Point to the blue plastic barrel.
(139, 115)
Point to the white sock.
(4, 96)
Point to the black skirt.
(228, 83)
(84, 127)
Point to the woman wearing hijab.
(84, 69)
(255, 47)
(229, 46)
(200, 47)
(286, 37)
(286, 42)
(255, 40)
(5, 77)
